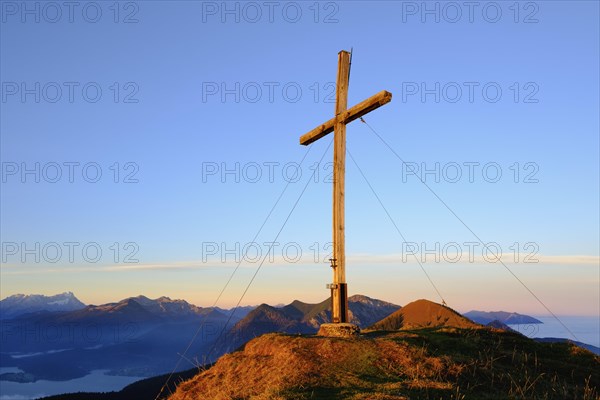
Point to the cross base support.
(339, 330)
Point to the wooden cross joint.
(345, 117)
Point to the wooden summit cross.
(343, 116)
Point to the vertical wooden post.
(337, 125)
(340, 293)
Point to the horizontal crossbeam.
(347, 116)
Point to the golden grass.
(273, 363)
(421, 364)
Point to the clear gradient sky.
(172, 94)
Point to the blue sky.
(190, 89)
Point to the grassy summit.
(426, 363)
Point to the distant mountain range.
(508, 318)
(299, 317)
(139, 336)
(60, 338)
(239, 313)
(20, 304)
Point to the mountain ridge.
(508, 318)
(482, 317)
(434, 337)
(21, 304)
(301, 318)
